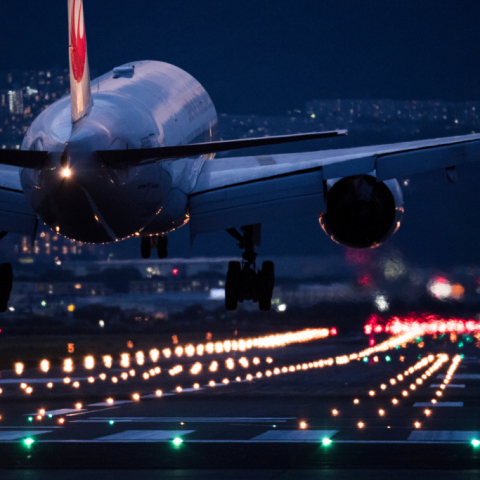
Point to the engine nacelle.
(361, 212)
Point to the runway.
(418, 410)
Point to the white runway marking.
(21, 434)
(449, 385)
(37, 380)
(438, 404)
(106, 404)
(187, 390)
(62, 411)
(463, 376)
(144, 435)
(294, 435)
(153, 395)
(443, 435)
(187, 419)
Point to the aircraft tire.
(146, 247)
(162, 246)
(232, 285)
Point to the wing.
(247, 190)
(16, 215)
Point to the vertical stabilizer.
(79, 70)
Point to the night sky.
(259, 56)
(267, 57)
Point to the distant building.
(15, 102)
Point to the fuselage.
(153, 104)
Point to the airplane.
(132, 154)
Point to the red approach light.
(371, 342)
(175, 271)
(333, 331)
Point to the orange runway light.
(334, 412)
(360, 424)
(303, 425)
(136, 397)
(78, 406)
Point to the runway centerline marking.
(438, 404)
(144, 435)
(295, 435)
(443, 435)
(448, 385)
(188, 419)
(463, 376)
(15, 435)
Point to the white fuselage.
(159, 105)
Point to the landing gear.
(160, 243)
(6, 284)
(244, 282)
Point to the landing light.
(66, 172)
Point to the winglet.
(81, 96)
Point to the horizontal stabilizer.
(22, 158)
(131, 157)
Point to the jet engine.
(361, 212)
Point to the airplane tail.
(81, 96)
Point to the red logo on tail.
(78, 48)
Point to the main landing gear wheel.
(6, 284)
(232, 285)
(146, 247)
(162, 246)
(244, 282)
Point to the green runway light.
(44, 303)
(29, 441)
(30, 419)
(177, 441)
(460, 344)
(387, 358)
(326, 442)
(50, 415)
(462, 356)
(365, 359)
(111, 422)
(475, 442)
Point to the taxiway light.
(29, 442)
(196, 385)
(39, 417)
(405, 393)
(158, 393)
(356, 401)
(154, 354)
(381, 412)
(360, 424)
(41, 411)
(334, 412)
(102, 376)
(23, 386)
(89, 362)
(61, 421)
(417, 424)
(78, 406)
(475, 442)
(45, 366)
(179, 389)
(326, 442)
(29, 390)
(114, 379)
(76, 384)
(211, 383)
(438, 393)
(433, 401)
(303, 425)
(110, 401)
(226, 381)
(177, 441)
(371, 393)
(136, 397)
(427, 412)
(66, 380)
(146, 376)
(394, 401)
(383, 386)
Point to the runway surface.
(417, 409)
